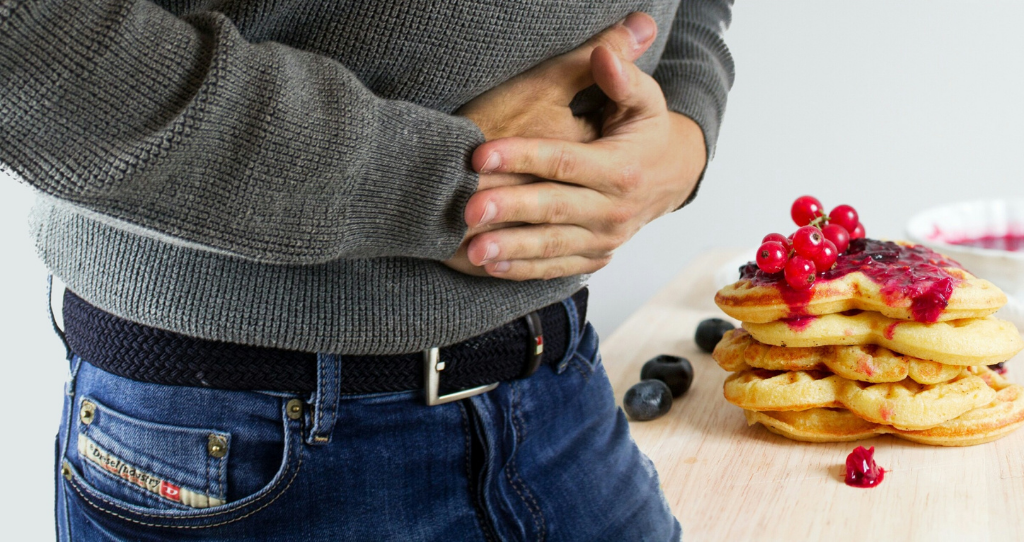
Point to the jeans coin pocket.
(149, 464)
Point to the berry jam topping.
(903, 272)
(799, 323)
(861, 469)
(999, 367)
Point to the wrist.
(689, 139)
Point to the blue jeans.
(548, 457)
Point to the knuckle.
(558, 211)
(628, 179)
(553, 271)
(618, 218)
(600, 262)
(566, 163)
(554, 245)
(613, 242)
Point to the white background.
(892, 107)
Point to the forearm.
(181, 127)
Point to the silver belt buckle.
(432, 367)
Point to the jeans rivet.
(88, 412)
(65, 470)
(294, 409)
(217, 446)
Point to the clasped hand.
(559, 194)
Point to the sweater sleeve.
(696, 70)
(180, 127)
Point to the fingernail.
(490, 253)
(492, 163)
(500, 267)
(640, 27)
(490, 211)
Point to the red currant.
(839, 236)
(778, 238)
(800, 273)
(805, 209)
(807, 241)
(772, 257)
(826, 257)
(858, 232)
(781, 240)
(845, 216)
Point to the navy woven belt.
(147, 354)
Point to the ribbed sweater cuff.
(426, 154)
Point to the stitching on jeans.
(320, 398)
(134, 490)
(200, 516)
(222, 468)
(291, 452)
(469, 472)
(86, 499)
(520, 426)
(576, 365)
(329, 400)
(538, 516)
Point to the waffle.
(738, 351)
(745, 301)
(983, 424)
(983, 341)
(904, 405)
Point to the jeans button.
(294, 409)
(217, 446)
(88, 412)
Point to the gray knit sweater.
(290, 173)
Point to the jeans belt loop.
(325, 406)
(573, 341)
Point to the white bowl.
(941, 227)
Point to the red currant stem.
(820, 221)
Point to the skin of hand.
(597, 195)
(536, 104)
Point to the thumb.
(633, 91)
(571, 72)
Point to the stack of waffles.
(895, 339)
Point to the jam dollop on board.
(903, 272)
(861, 469)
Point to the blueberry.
(647, 400)
(710, 331)
(674, 371)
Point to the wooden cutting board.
(727, 481)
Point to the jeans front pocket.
(136, 456)
(151, 464)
